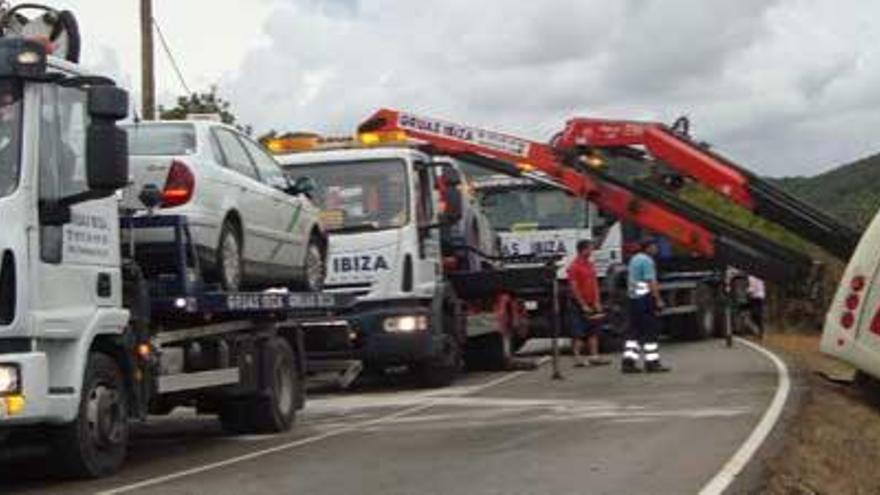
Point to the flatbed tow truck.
(576, 161)
(88, 344)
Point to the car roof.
(347, 155)
(198, 124)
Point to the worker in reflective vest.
(644, 305)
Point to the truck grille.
(7, 289)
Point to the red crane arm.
(454, 139)
(664, 144)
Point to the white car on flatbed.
(250, 225)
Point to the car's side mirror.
(106, 144)
(303, 185)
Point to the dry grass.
(832, 445)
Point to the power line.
(171, 57)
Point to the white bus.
(852, 326)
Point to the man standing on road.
(757, 293)
(644, 304)
(586, 313)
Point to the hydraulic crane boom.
(673, 146)
(697, 231)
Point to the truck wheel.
(701, 325)
(492, 351)
(274, 409)
(95, 443)
(442, 370)
(230, 264)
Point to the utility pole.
(148, 78)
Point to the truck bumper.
(361, 335)
(32, 403)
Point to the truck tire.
(442, 370)
(702, 324)
(491, 352)
(95, 443)
(273, 410)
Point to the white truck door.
(78, 263)
(428, 261)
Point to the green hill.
(850, 192)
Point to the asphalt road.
(596, 432)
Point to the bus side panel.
(855, 341)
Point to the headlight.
(9, 379)
(406, 324)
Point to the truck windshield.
(511, 209)
(359, 195)
(161, 140)
(10, 136)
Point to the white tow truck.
(404, 233)
(87, 342)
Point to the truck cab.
(62, 159)
(535, 220)
(381, 210)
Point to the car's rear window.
(170, 139)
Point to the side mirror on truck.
(453, 198)
(106, 144)
(106, 153)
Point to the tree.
(205, 102)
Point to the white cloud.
(786, 85)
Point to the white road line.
(734, 466)
(308, 440)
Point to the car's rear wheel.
(229, 258)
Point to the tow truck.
(575, 161)
(88, 344)
(401, 221)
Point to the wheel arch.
(114, 347)
(234, 217)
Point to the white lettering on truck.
(480, 137)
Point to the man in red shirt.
(585, 309)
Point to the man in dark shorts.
(586, 308)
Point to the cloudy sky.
(787, 87)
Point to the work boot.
(656, 367)
(629, 366)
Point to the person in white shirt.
(757, 294)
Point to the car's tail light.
(179, 185)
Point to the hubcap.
(104, 416)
